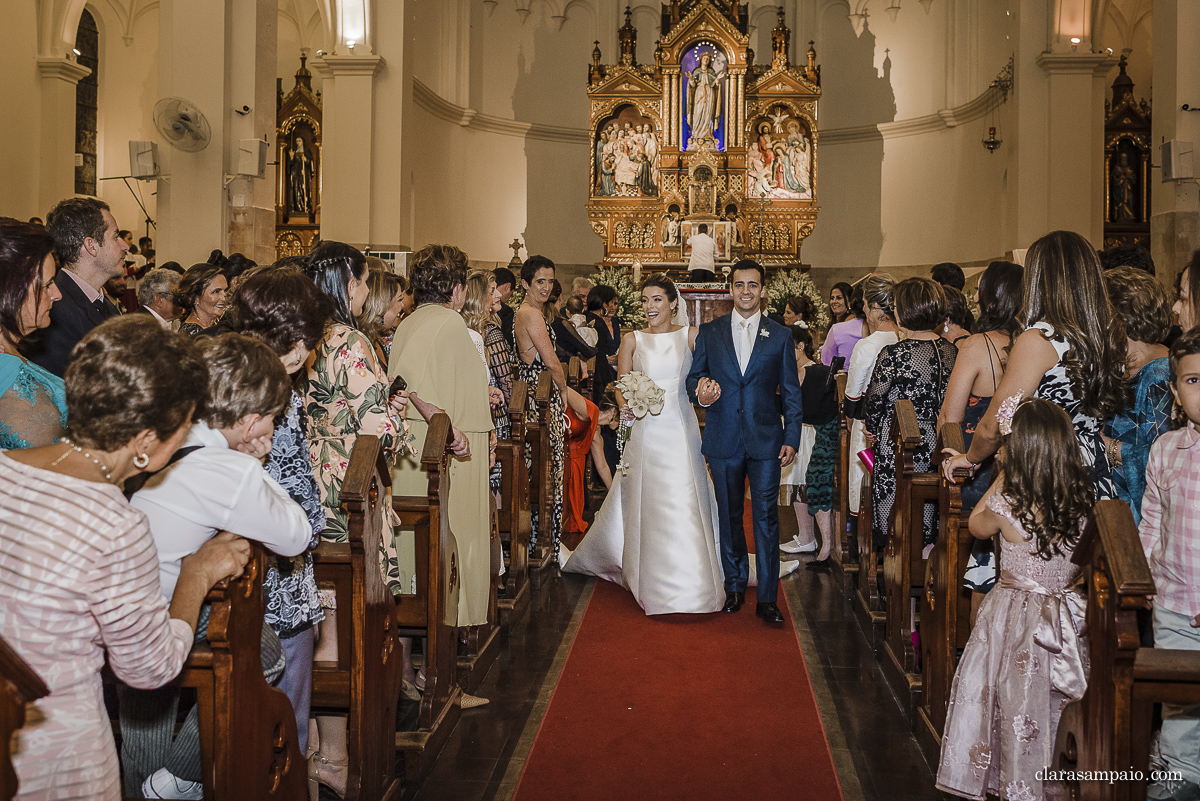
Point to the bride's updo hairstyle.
(664, 283)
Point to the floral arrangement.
(629, 299)
(788, 284)
(642, 397)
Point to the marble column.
(1175, 204)
(57, 153)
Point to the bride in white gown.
(654, 534)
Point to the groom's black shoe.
(769, 612)
(733, 601)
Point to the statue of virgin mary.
(704, 101)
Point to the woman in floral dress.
(535, 355)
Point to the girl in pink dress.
(1018, 672)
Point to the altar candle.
(637, 272)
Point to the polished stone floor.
(875, 752)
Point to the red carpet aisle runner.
(680, 707)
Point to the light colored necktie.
(745, 346)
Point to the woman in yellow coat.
(436, 356)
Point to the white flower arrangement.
(790, 283)
(642, 397)
(629, 298)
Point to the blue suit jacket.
(746, 414)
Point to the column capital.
(64, 69)
(331, 66)
(1076, 63)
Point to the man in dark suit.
(505, 282)
(91, 252)
(741, 361)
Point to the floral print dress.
(346, 394)
(529, 374)
(1016, 675)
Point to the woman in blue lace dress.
(33, 404)
(1144, 306)
(284, 309)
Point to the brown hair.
(23, 248)
(1140, 302)
(920, 304)
(435, 271)
(130, 374)
(280, 307)
(382, 288)
(194, 282)
(1045, 479)
(1193, 283)
(72, 221)
(958, 311)
(663, 282)
(244, 377)
(477, 305)
(1064, 287)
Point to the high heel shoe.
(331, 773)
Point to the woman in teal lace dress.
(33, 404)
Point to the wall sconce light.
(1075, 43)
(991, 142)
(1002, 84)
(75, 50)
(350, 44)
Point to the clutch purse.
(868, 458)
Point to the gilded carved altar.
(298, 154)
(1127, 156)
(703, 136)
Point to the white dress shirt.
(745, 331)
(217, 488)
(704, 252)
(158, 317)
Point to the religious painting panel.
(626, 153)
(721, 231)
(671, 229)
(705, 69)
(779, 157)
(300, 156)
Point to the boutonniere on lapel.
(764, 333)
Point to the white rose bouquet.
(642, 396)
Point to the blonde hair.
(382, 288)
(477, 302)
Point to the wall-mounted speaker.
(143, 160)
(1177, 160)
(252, 157)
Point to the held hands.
(459, 446)
(955, 461)
(786, 455)
(224, 556)
(708, 391)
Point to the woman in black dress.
(601, 312)
(917, 368)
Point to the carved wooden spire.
(1122, 87)
(628, 37)
(781, 37)
(596, 70)
(812, 70)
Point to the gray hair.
(158, 281)
(877, 291)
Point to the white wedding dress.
(654, 534)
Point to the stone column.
(1175, 205)
(219, 56)
(57, 154)
(348, 94)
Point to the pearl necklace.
(85, 455)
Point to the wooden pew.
(868, 595)
(514, 522)
(945, 604)
(19, 685)
(432, 613)
(845, 557)
(574, 373)
(364, 682)
(541, 481)
(903, 565)
(1109, 728)
(248, 740)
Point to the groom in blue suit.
(744, 364)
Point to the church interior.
(826, 140)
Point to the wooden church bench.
(541, 479)
(903, 564)
(946, 604)
(868, 595)
(514, 522)
(432, 613)
(19, 685)
(364, 682)
(1109, 729)
(844, 552)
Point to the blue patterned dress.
(291, 588)
(1136, 428)
(33, 405)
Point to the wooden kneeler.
(903, 563)
(19, 685)
(364, 682)
(868, 594)
(514, 520)
(248, 739)
(432, 613)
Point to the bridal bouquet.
(642, 397)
